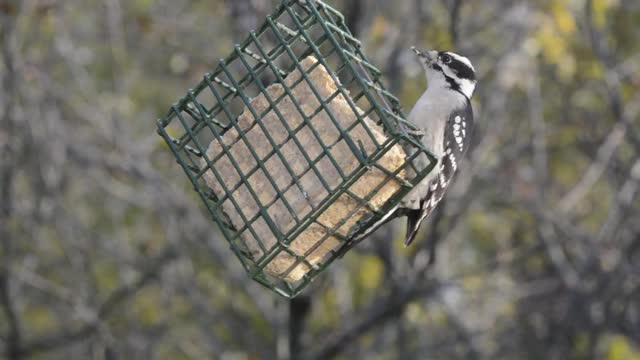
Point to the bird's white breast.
(431, 114)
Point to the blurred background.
(106, 253)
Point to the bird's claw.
(416, 132)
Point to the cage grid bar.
(275, 50)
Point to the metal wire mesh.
(213, 109)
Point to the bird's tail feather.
(414, 220)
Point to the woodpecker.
(445, 118)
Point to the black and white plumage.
(456, 136)
(445, 115)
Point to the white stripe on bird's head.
(449, 70)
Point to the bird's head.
(448, 70)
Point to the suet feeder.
(294, 145)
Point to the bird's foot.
(416, 132)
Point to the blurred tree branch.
(377, 314)
(103, 311)
(8, 156)
(299, 308)
(354, 13)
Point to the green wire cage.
(294, 145)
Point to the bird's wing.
(456, 141)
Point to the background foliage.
(105, 252)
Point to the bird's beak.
(430, 56)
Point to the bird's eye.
(446, 59)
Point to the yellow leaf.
(563, 18)
(379, 28)
(147, 305)
(599, 12)
(40, 318)
(414, 313)
(371, 271)
(472, 283)
(620, 349)
(553, 46)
